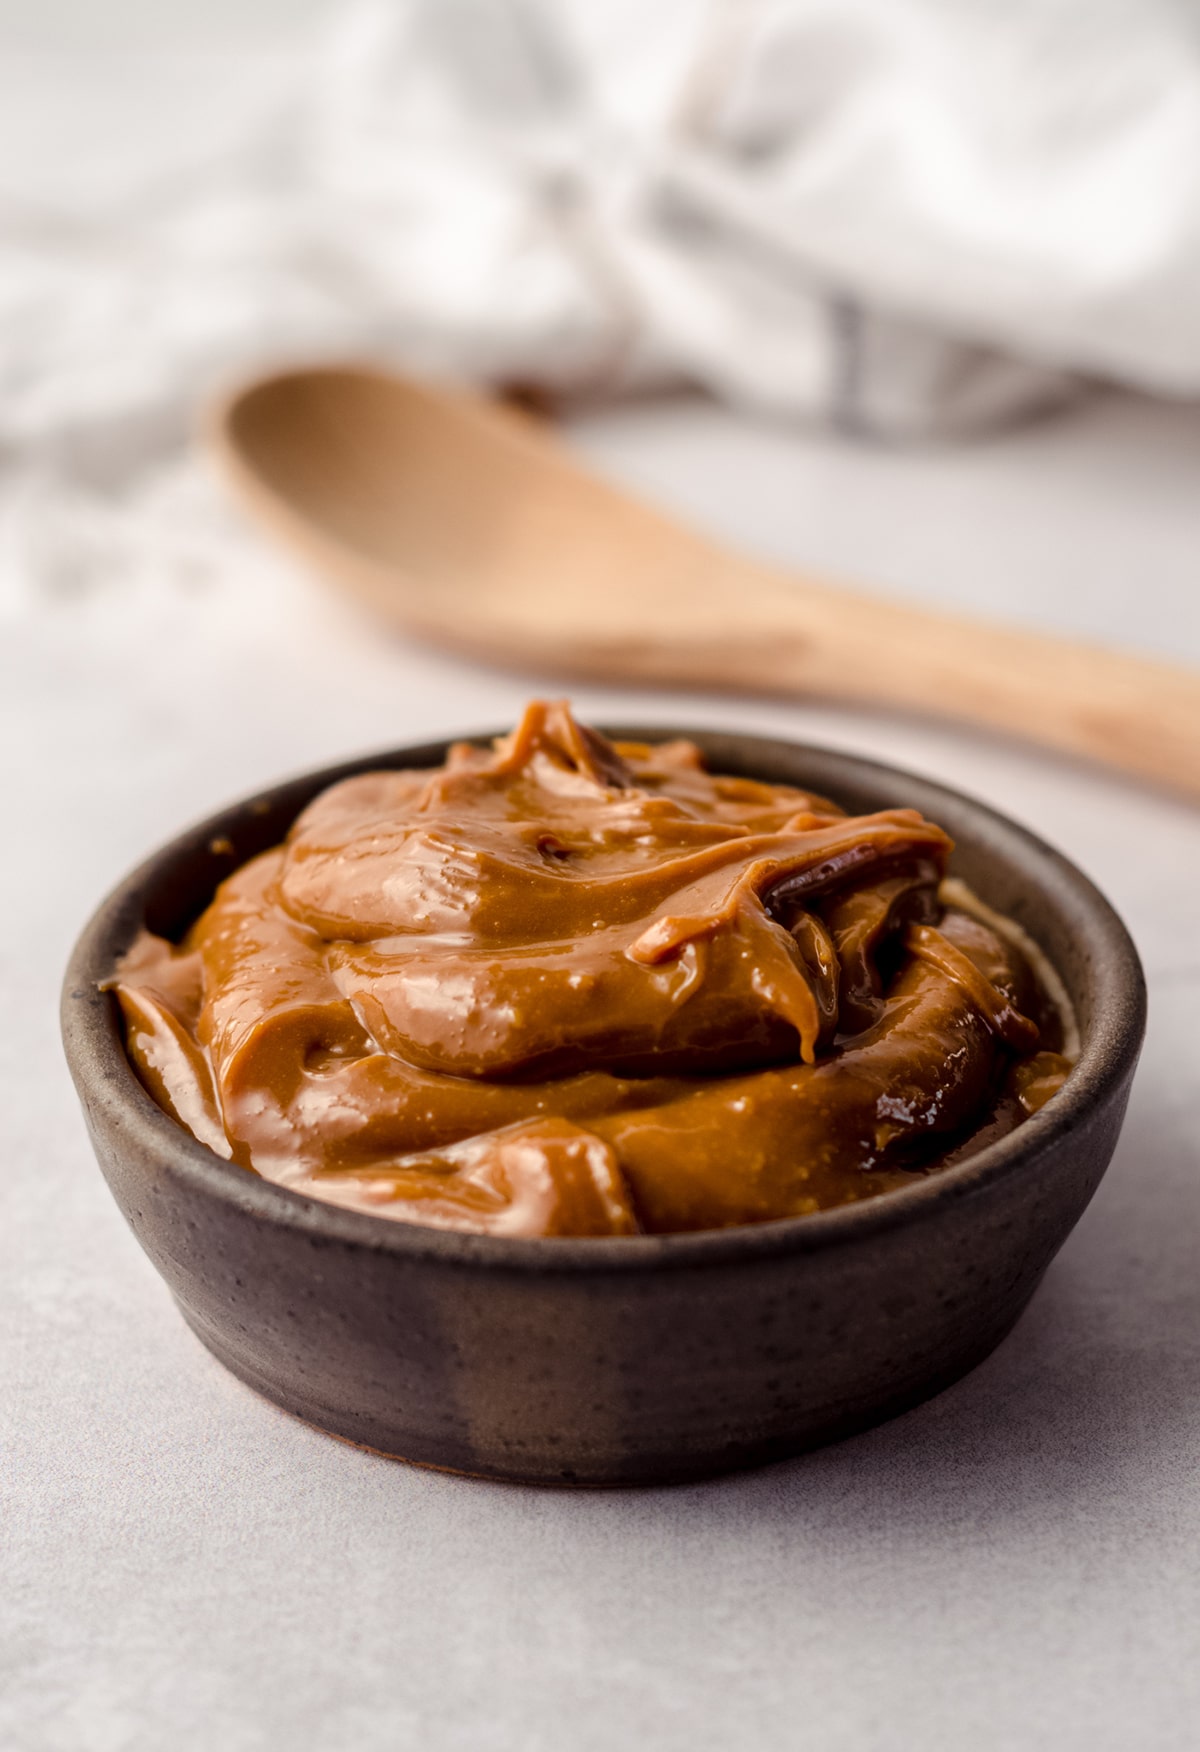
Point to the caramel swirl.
(563, 986)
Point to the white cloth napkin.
(907, 217)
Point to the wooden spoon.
(463, 520)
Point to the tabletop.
(1014, 1565)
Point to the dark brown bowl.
(614, 1361)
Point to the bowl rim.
(105, 1079)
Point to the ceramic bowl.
(620, 1360)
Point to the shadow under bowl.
(614, 1361)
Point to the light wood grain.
(464, 520)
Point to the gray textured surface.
(1016, 1565)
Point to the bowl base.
(634, 1475)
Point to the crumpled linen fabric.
(906, 218)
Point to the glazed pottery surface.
(614, 1361)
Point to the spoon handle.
(1134, 713)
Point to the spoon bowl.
(458, 517)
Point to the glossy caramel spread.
(567, 987)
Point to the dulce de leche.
(565, 986)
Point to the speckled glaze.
(614, 1361)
